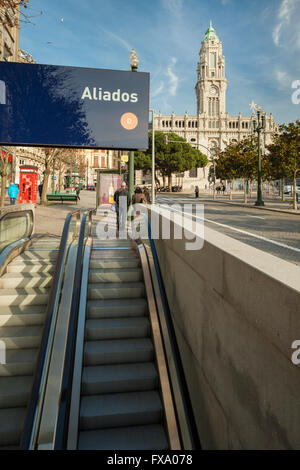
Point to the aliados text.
(98, 94)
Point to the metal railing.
(16, 228)
(183, 406)
(34, 410)
(61, 431)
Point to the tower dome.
(211, 34)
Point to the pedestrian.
(139, 197)
(147, 195)
(196, 191)
(77, 190)
(40, 189)
(13, 192)
(122, 201)
(223, 189)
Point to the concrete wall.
(236, 312)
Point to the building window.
(193, 140)
(212, 60)
(96, 161)
(193, 173)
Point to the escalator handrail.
(15, 212)
(61, 431)
(31, 426)
(188, 410)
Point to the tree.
(170, 158)
(59, 157)
(283, 158)
(12, 13)
(239, 160)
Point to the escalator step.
(29, 296)
(115, 275)
(119, 378)
(16, 337)
(116, 308)
(118, 351)
(11, 424)
(120, 409)
(22, 315)
(14, 391)
(21, 280)
(116, 290)
(19, 362)
(31, 268)
(117, 328)
(115, 263)
(148, 437)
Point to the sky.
(260, 38)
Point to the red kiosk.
(28, 184)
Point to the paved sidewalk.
(273, 203)
(50, 219)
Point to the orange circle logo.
(129, 121)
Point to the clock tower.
(211, 82)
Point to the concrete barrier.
(236, 312)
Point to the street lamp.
(134, 62)
(259, 124)
(153, 159)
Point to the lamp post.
(134, 62)
(258, 126)
(153, 159)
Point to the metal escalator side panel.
(35, 407)
(183, 406)
(46, 428)
(166, 392)
(78, 362)
(67, 369)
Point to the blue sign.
(49, 105)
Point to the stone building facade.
(212, 127)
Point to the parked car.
(288, 189)
(91, 187)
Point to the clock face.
(213, 91)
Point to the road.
(273, 232)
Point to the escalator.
(24, 294)
(90, 363)
(120, 405)
(117, 392)
(31, 283)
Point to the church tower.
(211, 81)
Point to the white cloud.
(284, 16)
(173, 79)
(173, 6)
(158, 90)
(283, 78)
(122, 41)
